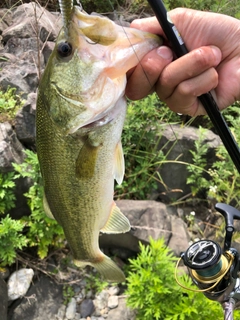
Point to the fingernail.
(165, 53)
(217, 53)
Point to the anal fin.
(117, 222)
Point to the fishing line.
(145, 73)
(139, 61)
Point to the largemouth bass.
(80, 114)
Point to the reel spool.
(207, 266)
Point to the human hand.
(212, 63)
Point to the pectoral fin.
(46, 207)
(86, 161)
(117, 222)
(119, 166)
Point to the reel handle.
(230, 213)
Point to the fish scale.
(80, 115)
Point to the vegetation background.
(150, 276)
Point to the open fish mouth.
(103, 118)
(99, 122)
(88, 118)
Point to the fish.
(80, 114)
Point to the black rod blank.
(206, 99)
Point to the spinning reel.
(215, 270)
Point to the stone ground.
(49, 299)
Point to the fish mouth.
(87, 118)
(98, 122)
(103, 118)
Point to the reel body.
(215, 270)
(210, 269)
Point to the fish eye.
(64, 49)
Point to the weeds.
(144, 123)
(10, 103)
(222, 182)
(39, 230)
(154, 293)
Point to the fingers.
(188, 77)
(185, 98)
(142, 80)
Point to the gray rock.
(86, 308)
(19, 283)
(47, 50)
(122, 312)
(25, 48)
(71, 309)
(25, 121)
(77, 316)
(179, 240)
(113, 291)
(147, 218)
(19, 47)
(21, 75)
(42, 302)
(3, 299)
(5, 19)
(112, 302)
(101, 300)
(31, 20)
(61, 312)
(11, 150)
(176, 142)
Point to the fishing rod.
(206, 99)
(214, 270)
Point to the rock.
(86, 308)
(179, 240)
(101, 302)
(23, 76)
(122, 312)
(113, 291)
(147, 218)
(61, 312)
(176, 142)
(47, 50)
(11, 150)
(28, 49)
(25, 53)
(77, 316)
(112, 302)
(71, 309)
(101, 299)
(19, 283)
(31, 20)
(3, 299)
(5, 19)
(42, 302)
(25, 121)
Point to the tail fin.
(106, 267)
